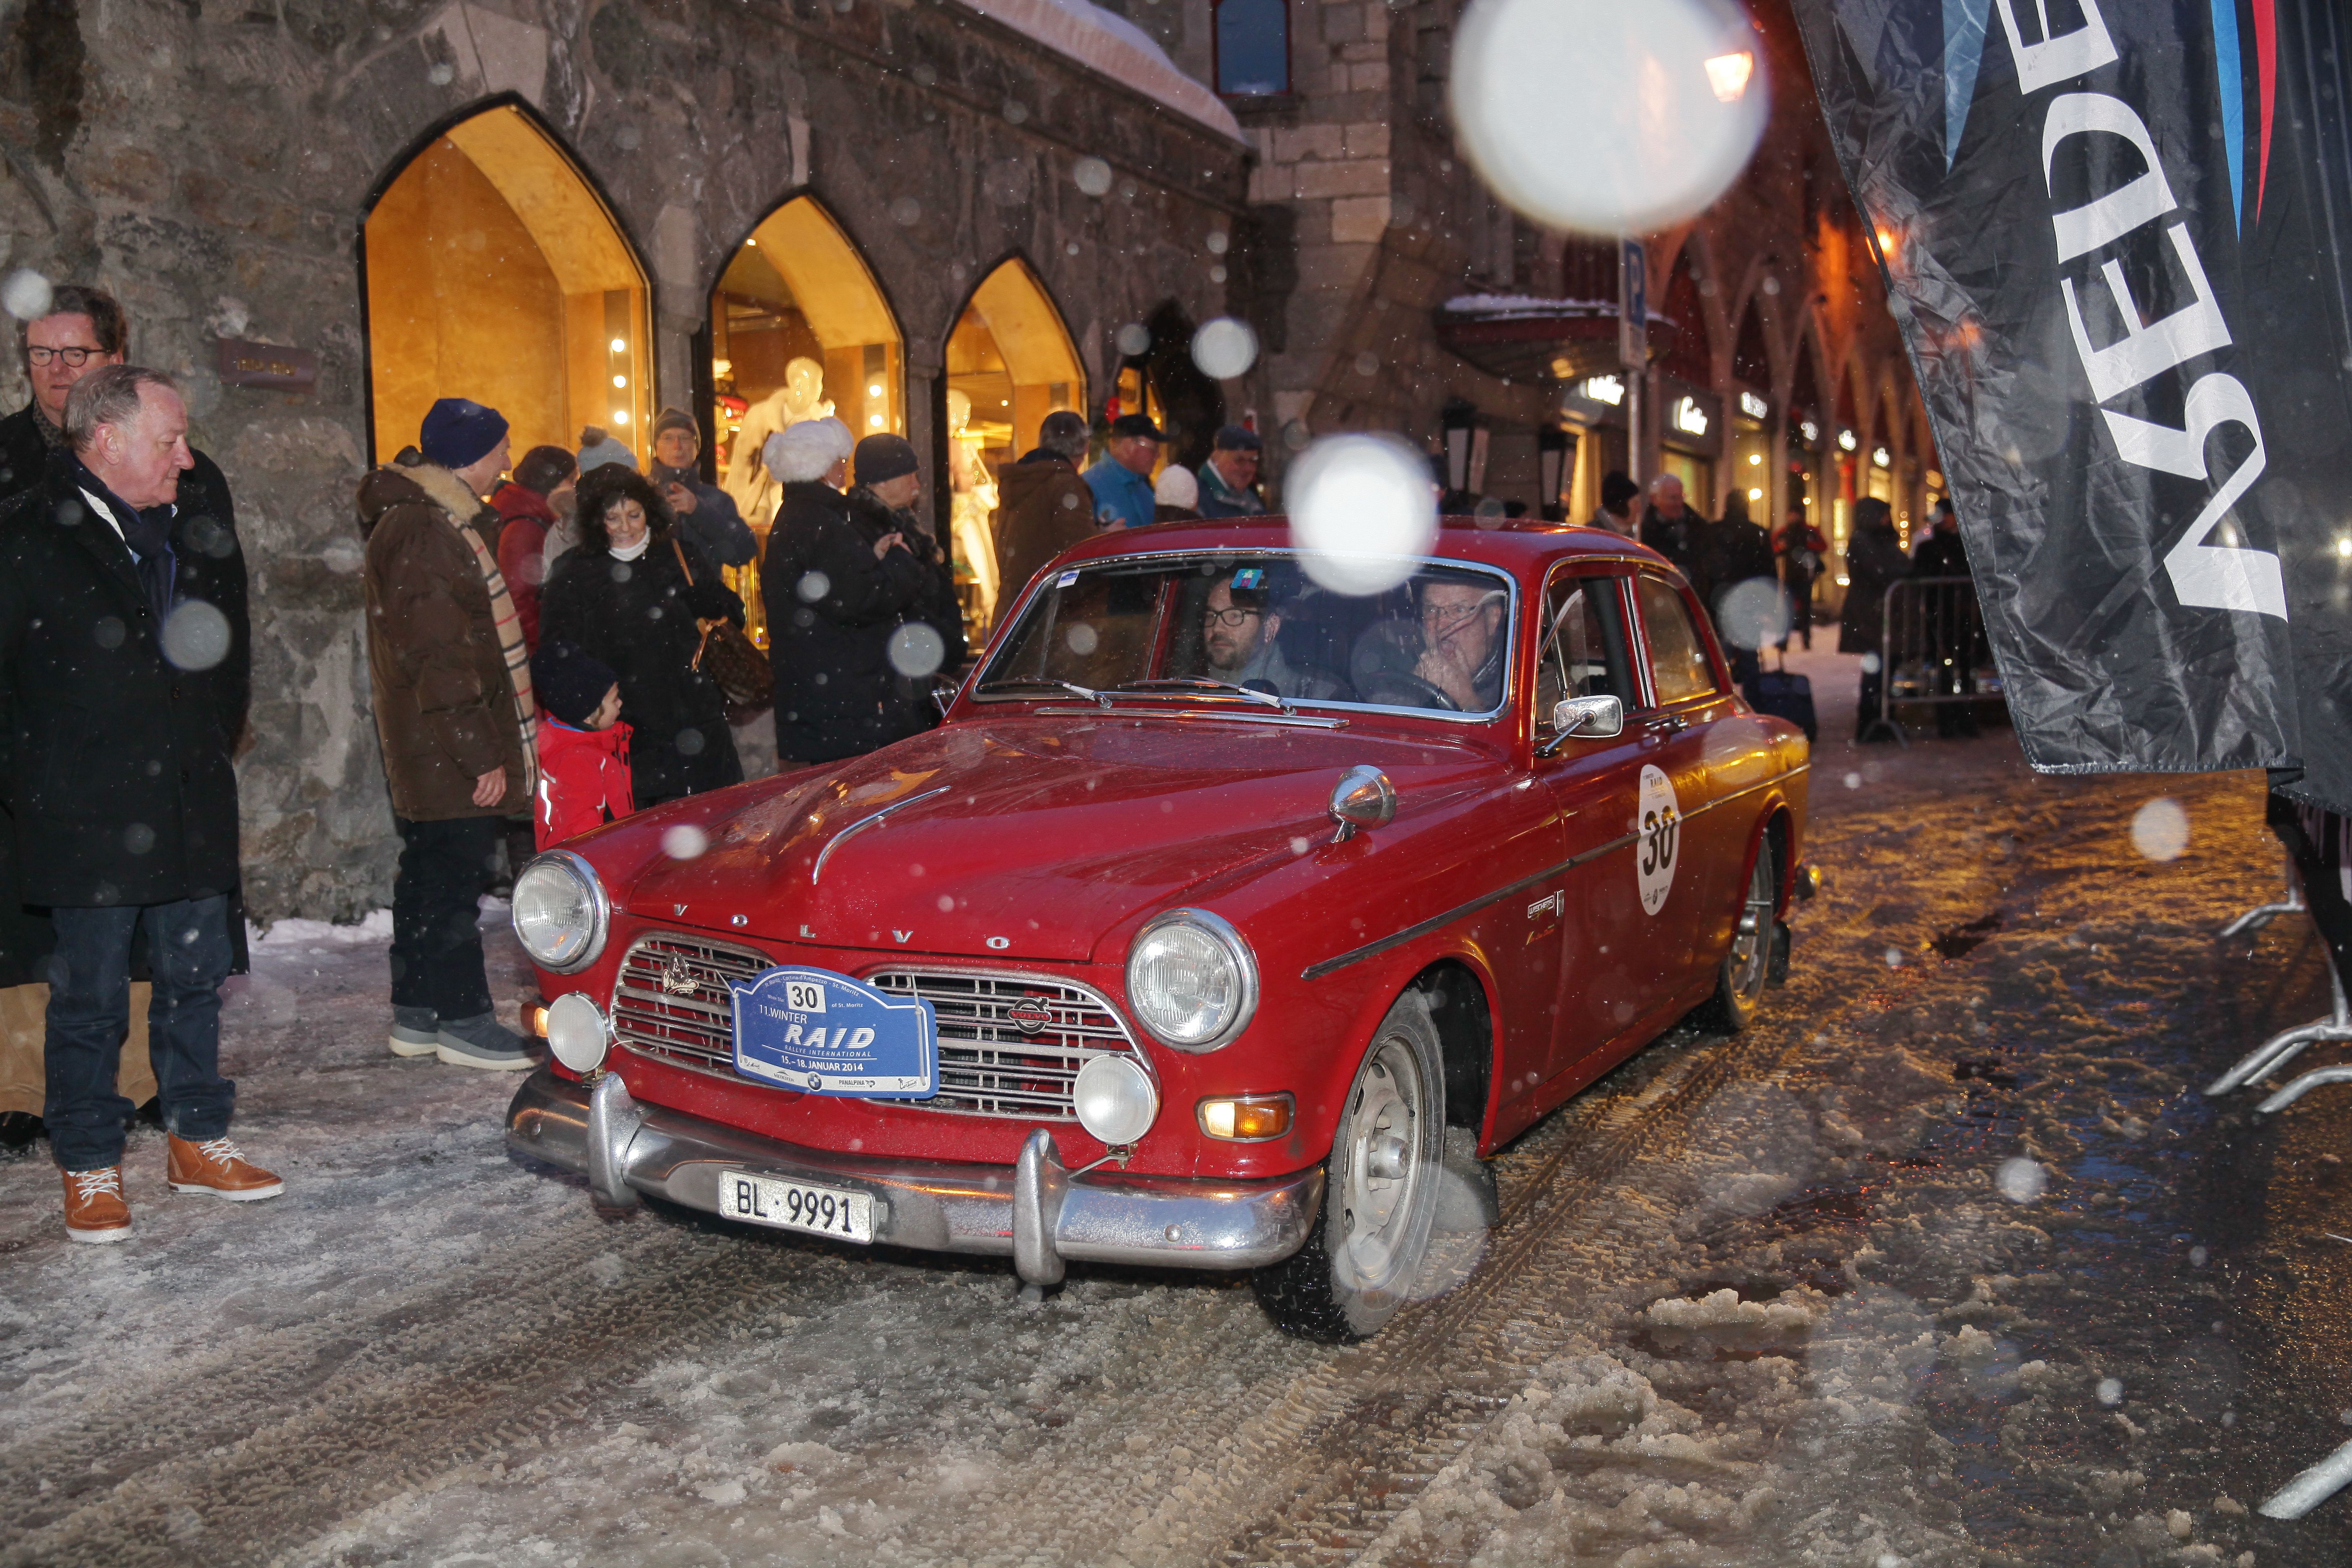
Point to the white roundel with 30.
(1658, 839)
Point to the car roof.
(1524, 546)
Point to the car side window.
(1585, 650)
(1679, 667)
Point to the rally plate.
(797, 1206)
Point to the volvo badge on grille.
(676, 979)
(1030, 1015)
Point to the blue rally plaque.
(822, 1033)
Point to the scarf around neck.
(148, 534)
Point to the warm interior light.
(620, 380)
(751, 244)
(874, 391)
(620, 345)
(1755, 495)
(1755, 459)
(1247, 1118)
(619, 417)
(1728, 74)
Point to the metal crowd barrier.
(2318, 842)
(1932, 648)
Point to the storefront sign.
(1754, 407)
(271, 366)
(1606, 389)
(1689, 417)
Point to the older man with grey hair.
(1672, 529)
(124, 676)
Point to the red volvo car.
(1228, 922)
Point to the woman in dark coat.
(1873, 562)
(621, 597)
(841, 578)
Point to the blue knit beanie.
(458, 431)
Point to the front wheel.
(1747, 964)
(1379, 1191)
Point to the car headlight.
(560, 911)
(577, 1035)
(1191, 980)
(1114, 1100)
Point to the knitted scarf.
(450, 493)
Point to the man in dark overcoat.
(124, 676)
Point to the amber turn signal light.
(534, 1017)
(1246, 1118)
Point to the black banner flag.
(2112, 232)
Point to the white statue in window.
(975, 504)
(802, 397)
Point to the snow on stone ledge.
(1117, 48)
(1527, 305)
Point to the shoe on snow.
(217, 1166)
(415, 1031)
(482, 1042)
(94, 1207)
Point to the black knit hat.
(544, 468)
(881, 458)
(568, 682)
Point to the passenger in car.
(1241, 628)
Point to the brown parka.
(1042, 508)
(446, 709)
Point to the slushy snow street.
(1946, 1261)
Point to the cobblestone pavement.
(1946, 1261)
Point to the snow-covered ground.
(1944, 1262)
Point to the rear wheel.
(1747, 964)
(1379, 1191)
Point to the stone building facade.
(216, 164)
(1372, 223)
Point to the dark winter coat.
(1735, 551)
(23, 451)
(638, 616)
(445, 705)
(1042, 508)
(116, 764)
(1684, 541)
(714, 523)
(832, 608)
(1874, 559)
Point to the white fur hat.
(1177, 486)
(804, 451)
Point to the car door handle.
(1671, 724)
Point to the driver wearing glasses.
(1239, 633)
(1461, 643)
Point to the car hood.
(1021, 837)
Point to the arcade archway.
(799, 330)
(1010, 362)
(495, 272)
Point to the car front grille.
(672, 1003)
(988, 1065)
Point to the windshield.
(1439, 642)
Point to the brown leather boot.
(218, 1167)
(94, 1207)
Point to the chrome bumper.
(1035, 1211)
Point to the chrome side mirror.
(1587, 718)
(1362, 798)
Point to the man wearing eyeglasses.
(83, 331)
(1462, 644)
(1239, 633)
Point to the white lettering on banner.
(2211, 577)
(2145, 353)
(2059, 56)
(2203, 576)
(2120, 211)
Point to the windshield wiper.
(1016, 682)
(1202, 684)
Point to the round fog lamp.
(1114, 1100)
(576, 1034)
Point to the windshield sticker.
(1067, 578)
(1249, 577)
(1660, 830)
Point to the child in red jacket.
(584, 748)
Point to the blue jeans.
(188, 954)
